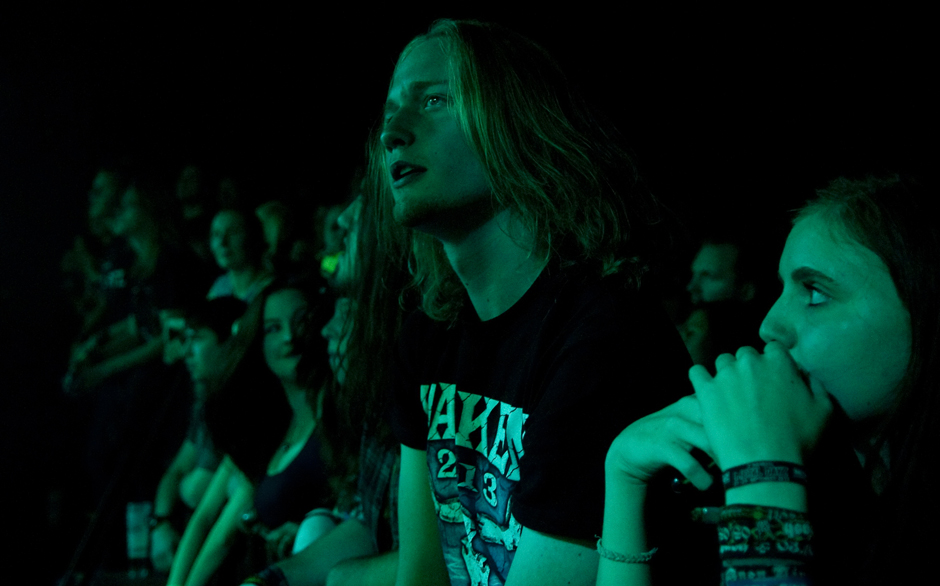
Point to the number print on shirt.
(448, 462)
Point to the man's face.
(437, 181)
(714, 277)
(228, 240)
(203, 354)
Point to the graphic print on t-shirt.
(474, 447)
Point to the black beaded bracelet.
(767, 471)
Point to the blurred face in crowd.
(130, 217)
(228, 239)
(281, 352)
(437, 180)
(189, 184)
(102, 197)
(203, 354)
(348, 221)
(714, 276)
(336, 332)
(694, 333)
(332, 231)
(841, 319)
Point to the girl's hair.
(894, 218)
(375, 322)
(548, 157)
(246, 410)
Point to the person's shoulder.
(612, 300)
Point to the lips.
(403, 173)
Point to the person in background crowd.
(207, 327)
(275, 462)
(238, 245)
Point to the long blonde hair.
(549, 158)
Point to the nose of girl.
(774, 327)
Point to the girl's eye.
(433, 101)
(271, 328)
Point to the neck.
(297, 399)
(243, 279)
(495, 263)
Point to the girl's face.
(228, 240)
(280, 311)
(336, 332)
(841, 318)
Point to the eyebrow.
(416, 87)
(807, 274)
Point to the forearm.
(199, 525)
(377, 570)
(189, 547)
(421, 560)
(127, 360)
(311, 566)
(167, 493)
(220, 539)
(624, 531)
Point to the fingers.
(691, 469)
(723, 361)
(699, 377)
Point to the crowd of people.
(473, 371)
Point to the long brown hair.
(893, 217)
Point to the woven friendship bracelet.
(763, 472)
(636, 558)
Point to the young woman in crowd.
(271, 436)
(237, 241)
(851, 363)
(361, 340)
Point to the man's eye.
(816, 297)
(433, 101)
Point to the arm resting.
(420, 559)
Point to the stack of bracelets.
(746, 531)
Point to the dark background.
(731, 115)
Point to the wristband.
(636, 558)
(765, 471)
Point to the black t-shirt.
(517, 413)
(296, 490)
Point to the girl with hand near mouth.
(852, 360)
